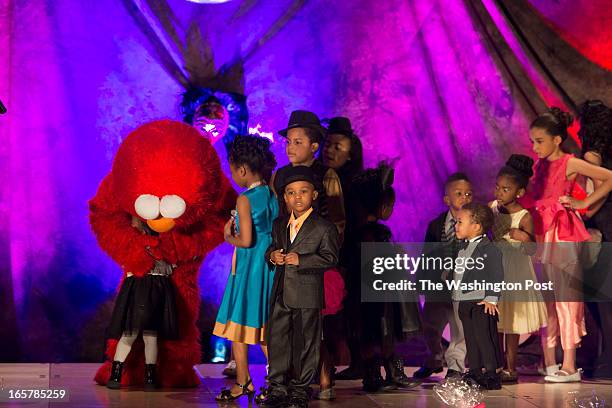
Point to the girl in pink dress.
(558, 224)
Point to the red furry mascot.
(170, 162)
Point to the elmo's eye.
(147, 206)
(172, 206)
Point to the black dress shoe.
(114, 382)
(450, 373)
(273, 400)
(474, 377)
(425, 372)
(492, 381)
(297, 402)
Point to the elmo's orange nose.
(161, 224)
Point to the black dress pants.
(481, 338)
(294, 339)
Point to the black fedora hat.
(341, 125)
(300, 173)
(303, 119)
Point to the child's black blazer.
(317, 247)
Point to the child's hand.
(228, 229)
(292, 259)
(138, 224)
(154, 252)
(519, 235)
(278, 257)
(571, 202)
(489, 308)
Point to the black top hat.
(341, 125)
(299, 173)
(303, 119)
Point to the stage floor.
(77, 378)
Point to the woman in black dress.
(343, 152)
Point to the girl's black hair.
(253, 152)
(595, 128)
(555, 122)
(518, 167)
(374, 187)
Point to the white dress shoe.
(563, 376)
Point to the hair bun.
(263, 144)
(522, 164)
(594, 111)
(565, 118)
(254, 151)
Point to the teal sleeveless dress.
(244, 309)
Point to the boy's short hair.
(480, 214)
(313, 135)
(459, 176)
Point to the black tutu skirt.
(146, 303)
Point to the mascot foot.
(150, 380)
(114, 383)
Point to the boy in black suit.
(438, 309)
(478, 306)
(304, 245)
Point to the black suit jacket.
(493, 271)
(435, 227)
(317, 247)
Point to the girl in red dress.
(556, 221)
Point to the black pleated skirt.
(146, 303)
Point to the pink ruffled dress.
(552, 220)
(559, 230)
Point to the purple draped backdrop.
(440, 85)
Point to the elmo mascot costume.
(166, 178)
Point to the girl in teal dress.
(244, 309)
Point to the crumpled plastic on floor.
(575, 400)
(457, 393)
